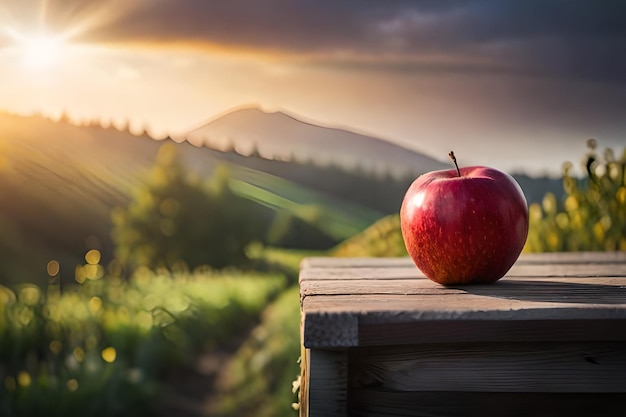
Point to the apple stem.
(451, 155)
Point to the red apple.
(463, 226)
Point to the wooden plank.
(356, 287)
(327, 384)
(335, 329)
(494, 367)
(525, 258)
(605, 269)
(382, 271)
(370, 402)
(464, 306)
(367, 319)
(379, 272)
(600, 289)
(574, 257)
(496, 331)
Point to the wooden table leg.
(324, 386)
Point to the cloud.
(555, 38)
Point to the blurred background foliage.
(177, 220)
(197, 313)
(592, 214)
(101, 348)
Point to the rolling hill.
(59, 183)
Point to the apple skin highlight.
(467, 228)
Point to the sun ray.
(92, 21)
(50, 35)
(41, 51)
(43, 10)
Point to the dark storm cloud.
(583, 38)
(547, 37)
(297, 26)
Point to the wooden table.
(549, 339)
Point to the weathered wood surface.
(380, 271)
(545, 297)
(526, 258)
(583, 367)
(327, 385)
(379, 339)
(374, 402)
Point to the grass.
(103, 348)
(258, 381)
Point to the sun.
(37, 50)
(41, 50)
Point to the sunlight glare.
(41, 51)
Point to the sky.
(518, 85)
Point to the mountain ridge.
(283, 135)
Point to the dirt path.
(192, 391)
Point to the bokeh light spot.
(109, 354)
(93, 257)
(94, 272)
(79, 274)
(29, 295)
(95, 303)
(23, 379)
(79, 354)
(55, 346)
(53, 268)
(72, 384)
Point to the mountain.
(277, 135)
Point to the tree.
(175, 219)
